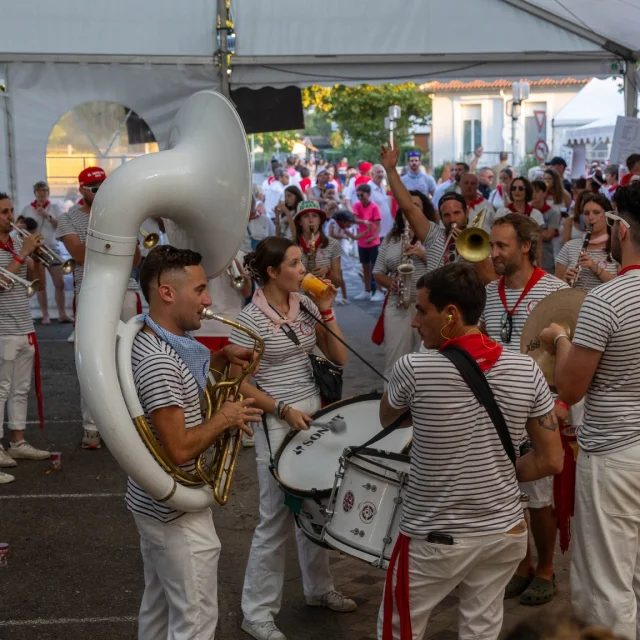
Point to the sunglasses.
(518, 187)
(612, 218)
(362, 195)
(92, 189)
(506, 328)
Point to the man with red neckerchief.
(514, 246)
(476, 202)
(18, 345)
(462, 523)
(602, 363)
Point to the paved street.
(74, 567)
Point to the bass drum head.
(306, 462)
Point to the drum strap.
(383, 433)
(473, 376)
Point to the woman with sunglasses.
(500, 195)
(595, 265)
(285, 389)
(285, 210)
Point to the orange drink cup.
(315, 286)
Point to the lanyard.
(537, 274)
(631, 267)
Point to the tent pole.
(223, 52)
(630, 90)
(8, 122)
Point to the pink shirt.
(371, 213)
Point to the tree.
(360, 111)
(268, 141)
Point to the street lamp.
(390, 121)
(520, 92)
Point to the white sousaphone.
(202, 182)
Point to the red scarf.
(11, 249)
(305, 183)
(306, 247)
(527, 209)
(36, 367)
(45, 206)
(499, 189)
(475, 202)
(544, 208)
(535, 277)
(480, 347)
(631, 267)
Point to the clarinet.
(585, 245)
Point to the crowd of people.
(472, 468)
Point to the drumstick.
(335, 425)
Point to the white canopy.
(598, 131)
(599, 99)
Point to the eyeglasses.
(518, 187)
(612, 218)
(361, 195)
(506, 327)
(92, 189)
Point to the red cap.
(364, 167)
(90, 175)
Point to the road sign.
(541, 150)
(541, 119)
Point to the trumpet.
(150, 239)
(585, 246)
(48, 257)
(472, 244)
(236, 279)
(8, 280)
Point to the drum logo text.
(368, 512)
(310, 440)
(347, 501)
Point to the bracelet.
(562, 335)
(277, 409)
(599, 271)
(18, 259)
(285, 411)
(329, 319)
(562, 404)
(326, 312)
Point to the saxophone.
(405, 270)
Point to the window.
(535, 124)
(471, 128)
(106, 134)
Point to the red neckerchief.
(34, 204)
(537, 274)
(476, 202)
(10, 248)
(544, 208)
(527, 209)
(480, 347)
(305, 183)
(80, 202)
(306, 248)
(499, 189)
(631, 267)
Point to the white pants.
(605, 564)
(180, 600)
(16, 367)
(129, 309)
(264, 577)
(540, 493)
(481, 566)
(399, 337)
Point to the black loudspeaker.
(269, 109)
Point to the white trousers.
(16, 367)
(180, 600)
(264, 577)
(129, 309)
(399, 337)
(481, 566)
(605, 563)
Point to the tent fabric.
(598, 99)
(593, 133)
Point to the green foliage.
(268, 141)
(528, 162)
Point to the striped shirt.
(609, 322)
(462, 481)
(389, 259)
(587, 280)
(324, 255)
(494, 309)
(76, 221)
(162, 380)
(285, 370)
(434, 245)
(15, 314)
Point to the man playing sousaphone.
(180, 550)
(602, 363)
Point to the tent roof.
(598, 99)
(598, 131)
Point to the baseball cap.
(364, 167)
(90, 175)
(556, 160)
(413, 154)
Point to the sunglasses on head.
(612, 218)
(506, 328)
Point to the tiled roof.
(474, 85)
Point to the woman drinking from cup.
(286, 390)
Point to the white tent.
(150, 54)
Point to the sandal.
(540, 591)
(516, 586)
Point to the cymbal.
(562, 307)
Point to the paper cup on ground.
(315, 286)
(56, 460)
(4, 554)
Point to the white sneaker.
(334, 601)
(25, 451)
(72, 337)
(363, 295)
(6, 460)
(248, 442)
(262, 630)
(378, 296)
(91, 440)
(6, 478)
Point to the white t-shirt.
(15, 313)
(462, 481)
(476, 209)
(258, 228)
(273, 194)
(285, 370)
(380, 197)
(535, 215)
(162, 380)
(44, 225)
(609, 322)
(587, 279)
(494, 309)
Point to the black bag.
(328, 376)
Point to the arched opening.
(101, 133)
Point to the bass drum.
(306, 462)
